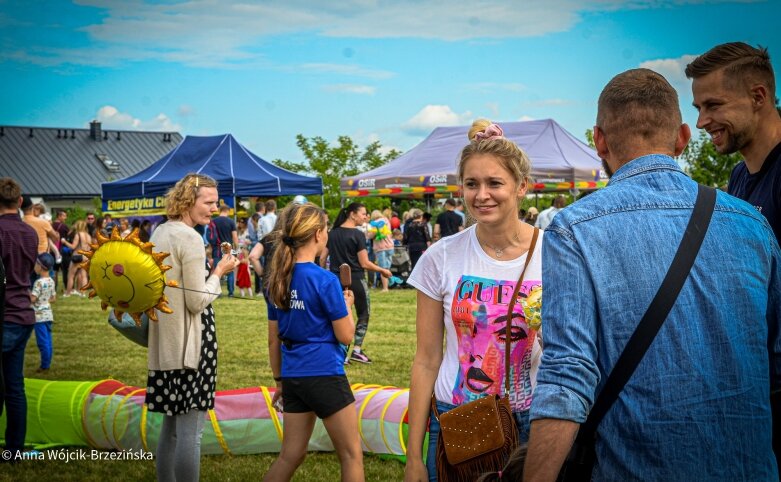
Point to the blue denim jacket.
(697, 408)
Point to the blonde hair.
(376, 214)
(80, 226)
(511, 157)
(182, 196)
(299, 224)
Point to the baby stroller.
(401, 267)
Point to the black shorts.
(323, 395)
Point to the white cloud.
(185, 110)
(526, 118)
(671, 69)
(350, 89)
(231, 33)
(363, 139)
(345, 69)
(493, 107)
(440, 20)
(432, 116)
(112, 118)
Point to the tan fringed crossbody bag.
(479, 436)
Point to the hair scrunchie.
(288, 241)
(493, 131)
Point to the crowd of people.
(701, 404)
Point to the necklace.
(499, 252)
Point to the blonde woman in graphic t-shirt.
(464, 284)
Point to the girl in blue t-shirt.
(310, 321)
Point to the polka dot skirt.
(177, 391)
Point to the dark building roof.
(64, 163)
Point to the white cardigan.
(175, 340)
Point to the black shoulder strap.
(658, 310)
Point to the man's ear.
(600, 143)
(682, 140)
(759, 97)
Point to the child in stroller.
(401, 266)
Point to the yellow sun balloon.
(127, 275)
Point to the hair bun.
(478, 125)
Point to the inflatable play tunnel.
(110, 415)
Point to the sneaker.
(360, 357)
(346, 361)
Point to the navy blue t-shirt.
(225, 228)
(316, 300)
(762, 189)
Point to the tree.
(333, 162)
(590, 138)
(705, 165)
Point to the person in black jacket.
(416, 236)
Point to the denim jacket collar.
(639, 165)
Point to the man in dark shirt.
(226, 230)
(65, 257)
(448, 222)
(91, 224)
(60, 216)
(735, 93)
(18, 249)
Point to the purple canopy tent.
(560, 162)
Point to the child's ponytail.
(300, 222)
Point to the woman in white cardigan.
(183, 345)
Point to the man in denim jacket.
(697, 407)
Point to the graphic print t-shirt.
(43, 289)
(475, 291)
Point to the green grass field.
(86, 348)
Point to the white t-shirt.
(266, 224)
(546, 217)
(474, 290)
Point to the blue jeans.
(179, 447)
(521, 421)
(43, 337)
(15, 338)
(385, 258)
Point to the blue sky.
(387, 70)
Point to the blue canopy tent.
(238, 172)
